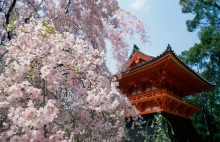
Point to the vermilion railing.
(154, 94)
(147, 95)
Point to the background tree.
(204, 58)
(206, 13)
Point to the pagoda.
(159, 83)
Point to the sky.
(166, 25)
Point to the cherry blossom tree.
(55, 88)
(97, 21)
(54, 82)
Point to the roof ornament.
(135, 47)
(169, 47)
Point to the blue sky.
(166, 25)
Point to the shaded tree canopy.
(207, 13)
(204, 58)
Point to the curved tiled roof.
(169, 48)
(135, 48)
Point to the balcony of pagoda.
(162, 100)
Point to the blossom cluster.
(97, 20)
(55, 87)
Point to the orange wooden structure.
(160, 83)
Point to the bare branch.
(3, 54)
(9, 11)
(68, 6)
(7, 15)
(1, 10)
(35, 10)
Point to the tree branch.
(44, 97)
(210, 3)
(9, 11)
(68, 6)
(1, 10)
(35, 10)
(7, 16)
(216, 5)
(3, 54)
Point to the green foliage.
(49, 29)
(24, 31)
(207, 13)
(11, 27)
(204, 58)
(161, 127)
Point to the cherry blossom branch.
(68, 6)
(3, 54)
(44, 96)
(7, 15)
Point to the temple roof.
(137, 56)
(140, 61)
(135, 48)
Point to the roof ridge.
(135, 47)
(169, 48)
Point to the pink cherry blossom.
(56, 86)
